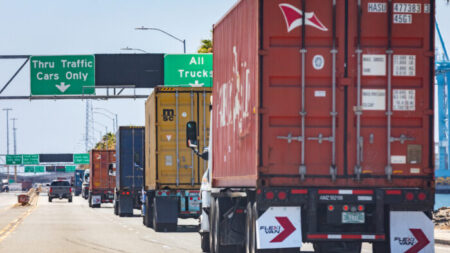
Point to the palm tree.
(205, 47)
(108, 142)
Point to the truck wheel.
(116, 208)
(216, 232)
(90, 200)
(49, 199)
(156, 226)
(250, 239)
(70, 200)
(204, 237)
(148, 215)
(337, 247)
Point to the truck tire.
(49, 199)
(148, 215)
(337, 247)
(70, 200)
(204, 237)
(250, 238)
(90, 200)
(156, 226)
(212, 214)
(116, 208)
(218, 248)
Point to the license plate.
(353, 217)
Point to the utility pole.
(7, 135)
(15, 147)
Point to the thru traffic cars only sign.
(62, 75)
(279, 227)
(411, 232)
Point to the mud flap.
(411, 232)
(96, 199)
(166, 210)
(279, 227)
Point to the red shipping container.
(315, 105)
(101, 180)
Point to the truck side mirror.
(191, 134)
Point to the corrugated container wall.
(100, 178)
(344, 100)
(130, 158)
(169, 163)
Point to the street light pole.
(142, 28)
(7, 135)
(15, 147)
(131, 49)
(109, 117)
(113, 114)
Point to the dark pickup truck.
(60, 189)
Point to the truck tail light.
(51, 190)
(360, 208)
(345, 208)
(409, 196)
(70, 189)
(282, 195)
(269, 195)
(422, 196)
(128, 193)
(330, 208)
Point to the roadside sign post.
(188, 70)
(62, 75)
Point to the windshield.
(60, 183)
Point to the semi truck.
(130, 161)
(172, 171)
(102, 177)
(78, 184)
(322, 128)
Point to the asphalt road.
(74, 227)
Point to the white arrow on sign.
(196, 84)
(62, 87)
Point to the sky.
(55, 27)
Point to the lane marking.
(8, 229)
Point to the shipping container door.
(131, 157)
(391, 65)
(300, 67)
(175, 161)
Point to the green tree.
(205, 47)
(108, 142)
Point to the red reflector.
(409, 196)
(258, 191)
(393, 192)
(318, 236)
(159, 193)
(360, 208)
(357, 237)
(331, 208)
(345, 208)
(328, 191)
(299, 191)
(269, 195)
(239, 210)
(198, 198)
(190, 198)
(422, 196)
(282, 195)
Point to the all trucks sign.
(62, 75)
(188, 70)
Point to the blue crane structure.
(442, 72)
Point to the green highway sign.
(188, 70)
(71, 168)
(31, 159)
(81, 158)
(29, 169)
(38, 169)
(13, 159)
(62, 75)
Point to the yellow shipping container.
(169, 163)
